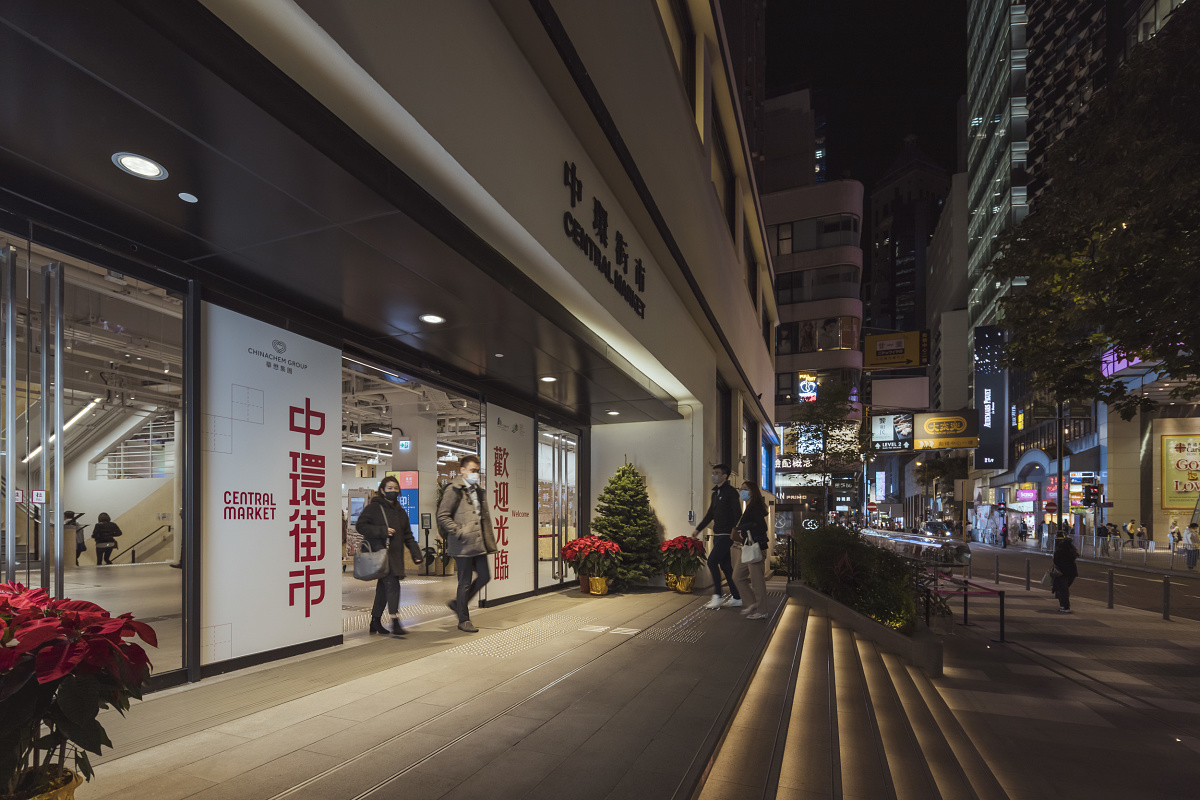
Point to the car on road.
(936, 528)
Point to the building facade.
(523, 231)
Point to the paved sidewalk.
(561, 695)
(1101, 703)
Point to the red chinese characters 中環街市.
(307, 506)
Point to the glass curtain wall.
(92, 425)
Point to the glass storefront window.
(93, 426)
(813, 335)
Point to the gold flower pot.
(671, 579)
(598, 585)
(64, 792)
(683, 584)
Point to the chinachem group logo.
(280, 346)
(943, 426)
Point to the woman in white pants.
(751, 529)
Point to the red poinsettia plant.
(683, 555)
(592, 555)
(61, 661)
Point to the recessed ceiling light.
(188, 197)
(548, 379)
(432, 319)
(140, 166)
(613, 413)
(499, 355)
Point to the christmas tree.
(623, 515)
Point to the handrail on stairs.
(132, 548)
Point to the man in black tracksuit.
(723, 512)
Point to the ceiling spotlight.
(140, 166)
(613, 413)
(187, 197)
(548, 379)
(432, 319)
(499, 355)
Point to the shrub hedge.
(841, 563)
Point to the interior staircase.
(829, 715)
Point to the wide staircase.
(828, 715)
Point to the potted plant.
(601, 562)
(682, 557)
(61, 661)
(573, 552)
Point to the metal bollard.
(968, 570)
(1110, 588)
(997, 569)
(1027, 568)
(1166, 597)
(966, 599)
(1002, 617)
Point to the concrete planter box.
(922, 650)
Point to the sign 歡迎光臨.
(509, 464)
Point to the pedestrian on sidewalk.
(724, 510)
(1191, 544)
(384, 523)
(1141, 536)
(1064, 562)
(1174, 535)
(1131, 531)
(105, 533)
(750, 579)
(466, 525)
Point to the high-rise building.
(996, 181)
(745, 23)
(946, 308)
(904, 209)
(813, 232)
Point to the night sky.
(880, 69)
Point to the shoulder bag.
(370, 565)
(751, 552)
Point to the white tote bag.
(751, 553)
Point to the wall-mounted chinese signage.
(892, 432)
(891, 350)
(508, 461)
(947, 430)
(991, 398)
(270, 442)
(595, 245)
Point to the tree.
(824, 436)
(1109, 254)
(623, 516)
(936, 468)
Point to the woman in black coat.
(1064, 561)
(105, 533)
(384, 523)
(752, 528)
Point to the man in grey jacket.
(463, 520)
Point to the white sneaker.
(734, 603)
(716, 602)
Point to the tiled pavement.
(1101, 703)
(626, 696)
(560, 695)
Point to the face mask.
(744, 494)
(473, 478)
(391, 496)
(716, 479)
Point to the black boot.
(377, 627)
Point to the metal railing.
(132, 548)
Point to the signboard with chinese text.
(947, 430)
(1180, 471)
(991, 398)
(892, 432)
(889, 350)
(270, 430)
(508, 462)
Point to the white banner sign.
(271, 462)
(508, 460)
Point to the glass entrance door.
(558, 503)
